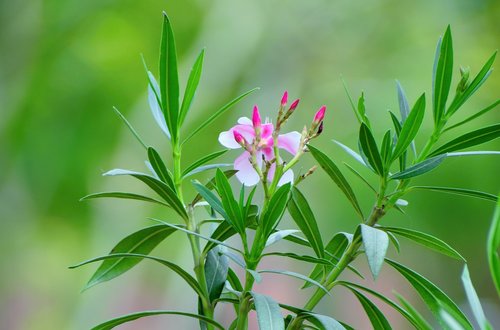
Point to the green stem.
(177, 170)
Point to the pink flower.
(264, 150)
(284, 99)
(320, 115)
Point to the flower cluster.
(262, 141)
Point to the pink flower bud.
(284, 99)
(256, 120)
(239, 138)
(294, 104)
(320, 115)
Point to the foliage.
(394, 161)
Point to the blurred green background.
(64, 64)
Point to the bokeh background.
(64, 64)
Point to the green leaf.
(123, 195)
(404, 108)
(159, 187)
(291, 255)
(386, 300)
(216, 266)
(160, 168)
(221, 233)
(386, 149)
(426, 240)
(478, 80)
(444, 71)
(192, 85)
(377, 318)
(470, 139)
(333, 171)
(362, 110)
(276, 208)
(301, 212)
(370, 150)
(394, 241)
(323, 322)
(351, 101)
(335, 248)
(130, 127)
(140, 242)
(181, 272)
(210, 198)
(269, 314)
(154, 100)
(419, 168)
(351, 152)
(492, 247)
(410, 127)
(474, 302)
(211, 185)
(279, 235)
(296, 275)
(433, 297)
(397, 127)
(233, 279)
(360, 177)
(375, 242)
(169, 79)
(233, 211)
(474, 116)
(134, 316)
(421, 322)
(217, 114)
(458, 191)
(202, 161)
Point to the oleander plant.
(227, 206)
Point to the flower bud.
(239, 138)
(318, 118)
(294, 105)
(256, 120)
(320, 129)
(284, 99)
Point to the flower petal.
(227, 138)
(286, 177)
(245, 121)
(290, 142)
(246, 173)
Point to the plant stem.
(177, 170)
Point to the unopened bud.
(284, 99)
(320, 129)
(320, 115)
(256, 120)
(294, 105)
(239, 138)
(464, 81)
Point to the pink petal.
(268, 153)
(290, 142)
(246, 173)
(267, 131)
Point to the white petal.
(287, 177)
(227, 140)
(245, 121)
(290, 142)
(246, 173)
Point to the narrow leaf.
(276, 208)
(474, 116)
(426, 240)
(375, 242)
(192, 85)
(419, 168)
(169, 80)
(279, 235)
(377, 318)
(211, 185)
(160, 168)
(269, 314)
(459, 191)
(123, 195)
(217, 114)
(404, 108)
(410, 127)
(444, 72)
(181, 272)
(351, 152)
(291, 255)
(470, 139)
(155, 104)
(296, 275)
(211, 199)
(202, 161)
(159, 187)
(493, 246)
(474, 302)
(323, 322)
(230, 205)
(140, 242)
(304, 218)
(134, 316)
(422, 323)
(334, 173)
(216, 267)
(433, 297)
(370, 150)
(130, 127)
